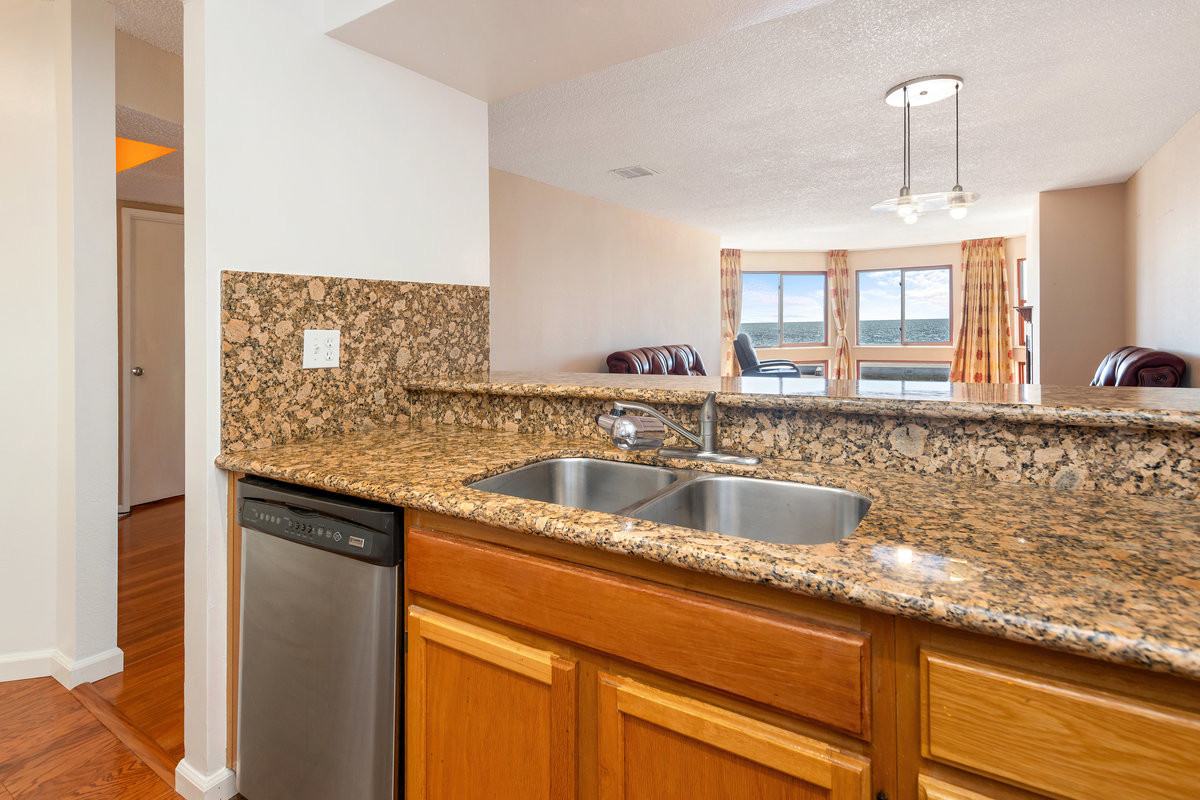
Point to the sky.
(803, 297)
(927, 294)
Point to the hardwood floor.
(52, 748)
(149, 693)
(143, 705)
(119, 738)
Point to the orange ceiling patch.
(131, 152)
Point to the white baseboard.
(71, 673)
(31, 664)
(221, 785)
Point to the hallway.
(126, 748)
(148, 695)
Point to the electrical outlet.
(322, 349)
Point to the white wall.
(149, 79)
(575, 278)
(303, 156)
(87, 345)
(58, 556)
(325, 160)
(1163, 250)
(29, 303)
(1081, 274)
(339, 12)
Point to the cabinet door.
(933, 789)
(655, 745)
(486, 716)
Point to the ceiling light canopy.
(923, 91)
(909, 206)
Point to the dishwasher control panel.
(313, 523)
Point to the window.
(812, 369)
(783, 308)
(1021, 301)
(904, 306)
(904, 370)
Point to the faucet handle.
(632, 432)
(627, 436)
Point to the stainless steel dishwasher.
(317, 702)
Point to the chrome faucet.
(705, 443)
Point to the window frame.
(902, 343)
(823, 362)
(858, 365)
(824, 307)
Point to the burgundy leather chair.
(670, 359)
(1139, 366)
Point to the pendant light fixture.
(958, 200)
(903, 204)
(921, 92)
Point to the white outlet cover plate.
(322, 349)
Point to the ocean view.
(884, 331)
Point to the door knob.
(138, 372)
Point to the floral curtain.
(983, 349)
(839, 301)
(731, 307)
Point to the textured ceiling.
(161, 179)
(159, 22)
(496, 48)
(776, 136)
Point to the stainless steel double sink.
(733, 505)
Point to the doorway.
(152, 355)
(143, 705)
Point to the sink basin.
(585, 483)
(753, 508)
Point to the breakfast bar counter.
(1110, 576)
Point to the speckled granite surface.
(1089, 439)
(389, 329)
(1164, 409)
(1114, 578)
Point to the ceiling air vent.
(629, 173)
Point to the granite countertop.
(1088, 406)
(1108, 576)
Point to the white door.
(152, 356)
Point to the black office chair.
(752, 367)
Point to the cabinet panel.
(1065, 739)
(654, 744)
(933, 789)
(816, 672)
(486, 712)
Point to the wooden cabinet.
(1062, 738)
(933, 789)
(542, 670)
(819, 672)
(655, 744)
(532, 677)
(485, 711)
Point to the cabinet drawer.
(655, 744)
(1064, 739)
(813, 671)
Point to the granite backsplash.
(1124, 459)
(389, 330)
